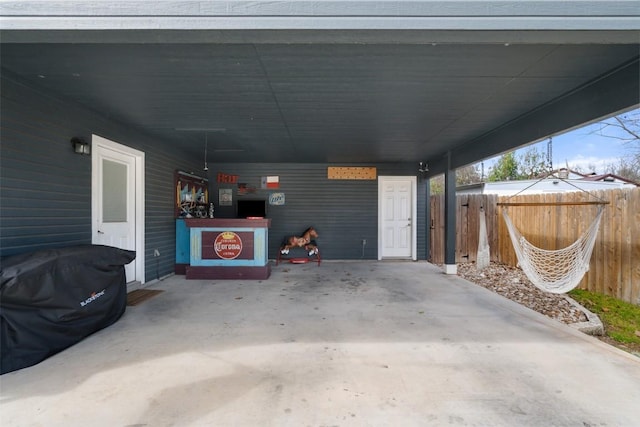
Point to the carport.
(302, 83)
(413, 89)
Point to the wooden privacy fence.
(614, 267)
(467, 226)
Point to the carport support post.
(450, 266)
(427, 214)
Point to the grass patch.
(621, 319)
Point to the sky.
(584, 147)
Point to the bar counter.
(228, 248)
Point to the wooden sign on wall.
(351, 172)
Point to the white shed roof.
(549, 185)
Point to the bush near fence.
(614, 268)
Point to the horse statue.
(305, 241)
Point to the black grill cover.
(51, 299)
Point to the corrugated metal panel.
(344, 212)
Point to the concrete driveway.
(343, 344)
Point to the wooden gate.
(467, 226)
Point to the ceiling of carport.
(338, 99)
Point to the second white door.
(396, 217)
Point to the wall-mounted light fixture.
(424, 167)
(80, 146)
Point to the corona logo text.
(227, 245)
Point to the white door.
(396, 213)
(115, 205)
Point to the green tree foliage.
(464, 175)
(468, 175)
(437, 184)
(506, 169)
(532, 164)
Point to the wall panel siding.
(45, 189)
(43, 203)
(160, 198)
(344, 212)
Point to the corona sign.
(228, 245)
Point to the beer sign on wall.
(276, 199)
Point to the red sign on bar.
(227, 245)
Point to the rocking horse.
(304, 241)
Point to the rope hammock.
(555, 271)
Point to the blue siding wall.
(344, 212)
(45, 188)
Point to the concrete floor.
(343, 344)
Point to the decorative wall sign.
(351, 172)
(225, 197)
(270, 182)
(192, 195)
(276, 199)
(244, 188)
(227, 179)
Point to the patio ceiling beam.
(299, 36)
(610, 94)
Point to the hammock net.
(555, 271)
